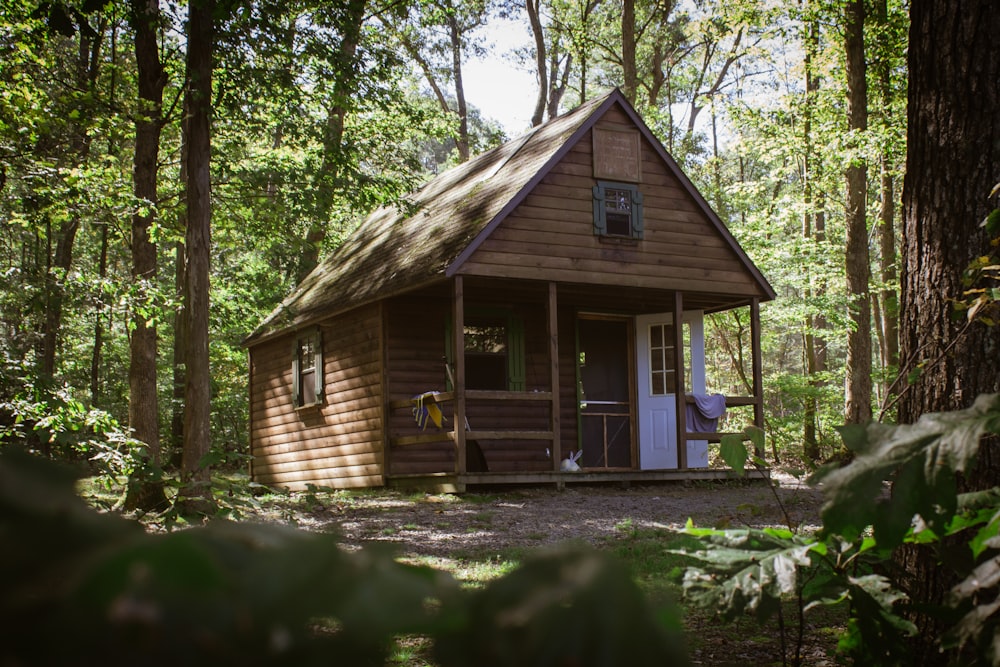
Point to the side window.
(307, 369)
(494, 351)
(617, 210)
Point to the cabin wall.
(415, 344)
(338, 443)
(550, 236)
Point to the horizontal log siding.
(549, 236)
(336, 444)
(415, 351)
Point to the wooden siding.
(337, 443)
(550, 236)
(415, 343)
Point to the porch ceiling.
(606, 298)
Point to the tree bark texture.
(630, 77)
(953, 160)
(859, 340)
(541, 61)
(463, 110)
(197, 393)
(143, 406)
(887, 217)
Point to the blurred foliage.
(82, 587)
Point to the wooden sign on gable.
(617, 156)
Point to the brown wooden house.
(528, 297)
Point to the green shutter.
(600, 224)
(515, 354)
(636, 213)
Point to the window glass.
(486, 354)
(662, 374)
(305, 370)
(618, 211)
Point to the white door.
(656, 385)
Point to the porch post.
(679, 391)
(758, 373)
(458, 318)
(553, 333)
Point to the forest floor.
(478, 536)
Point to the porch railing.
(471, 434)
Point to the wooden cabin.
(518, 310)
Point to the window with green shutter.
(494, 350)
(617, 210)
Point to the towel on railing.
(703, 415)
(425, 407)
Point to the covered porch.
(558, 415)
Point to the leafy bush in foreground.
(900, 488)
(80, 587)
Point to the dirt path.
(450, 526)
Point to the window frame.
(314, 337)
(600, 210)
(515, 352)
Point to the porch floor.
(455, 483)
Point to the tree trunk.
(143, 406)
(630, 77)
(179, 366)
(541, 62)
(810, 442)
(859, 339)
(333, 136)
(195, 478)
(953, 161)
(97, 353)
(463, 110)
(889, 300)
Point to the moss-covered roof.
(411, 244)
(428, 236)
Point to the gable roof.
(429, 236)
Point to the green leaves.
(746, 571)
(920, 461)
(734, 451)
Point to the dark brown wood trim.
(680, 390)
(732, 401)
(383, 356)
(458, 334)
(552, 329)
(758, 371)
(447, 482)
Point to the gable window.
(307, 369)
(617, 210)
(494, 351)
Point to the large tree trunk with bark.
(143, 406)
(541, 61)
(859, 340)
(196, 484)
(333, 135)
(953, 161)
(630, 77)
